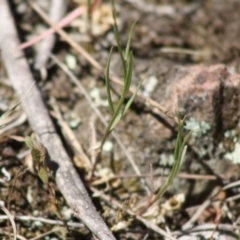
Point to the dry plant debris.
(168, 44)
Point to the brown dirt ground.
(185, 34)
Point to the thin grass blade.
(179, 154)
(127, 50)
(116, 121)
(179, 139)
(11, 110)
(180, 146)
(117, 37)
(130, 101)
(128, 77)
(108, 88)
(8, 112)
(183, 154)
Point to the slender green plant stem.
(179, 154)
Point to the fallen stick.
(66, 177)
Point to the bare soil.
(188, 52)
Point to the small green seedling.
(179, 155)
(127, 65)
(39, 156)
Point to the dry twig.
(66, 176)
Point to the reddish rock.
(206, 93)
